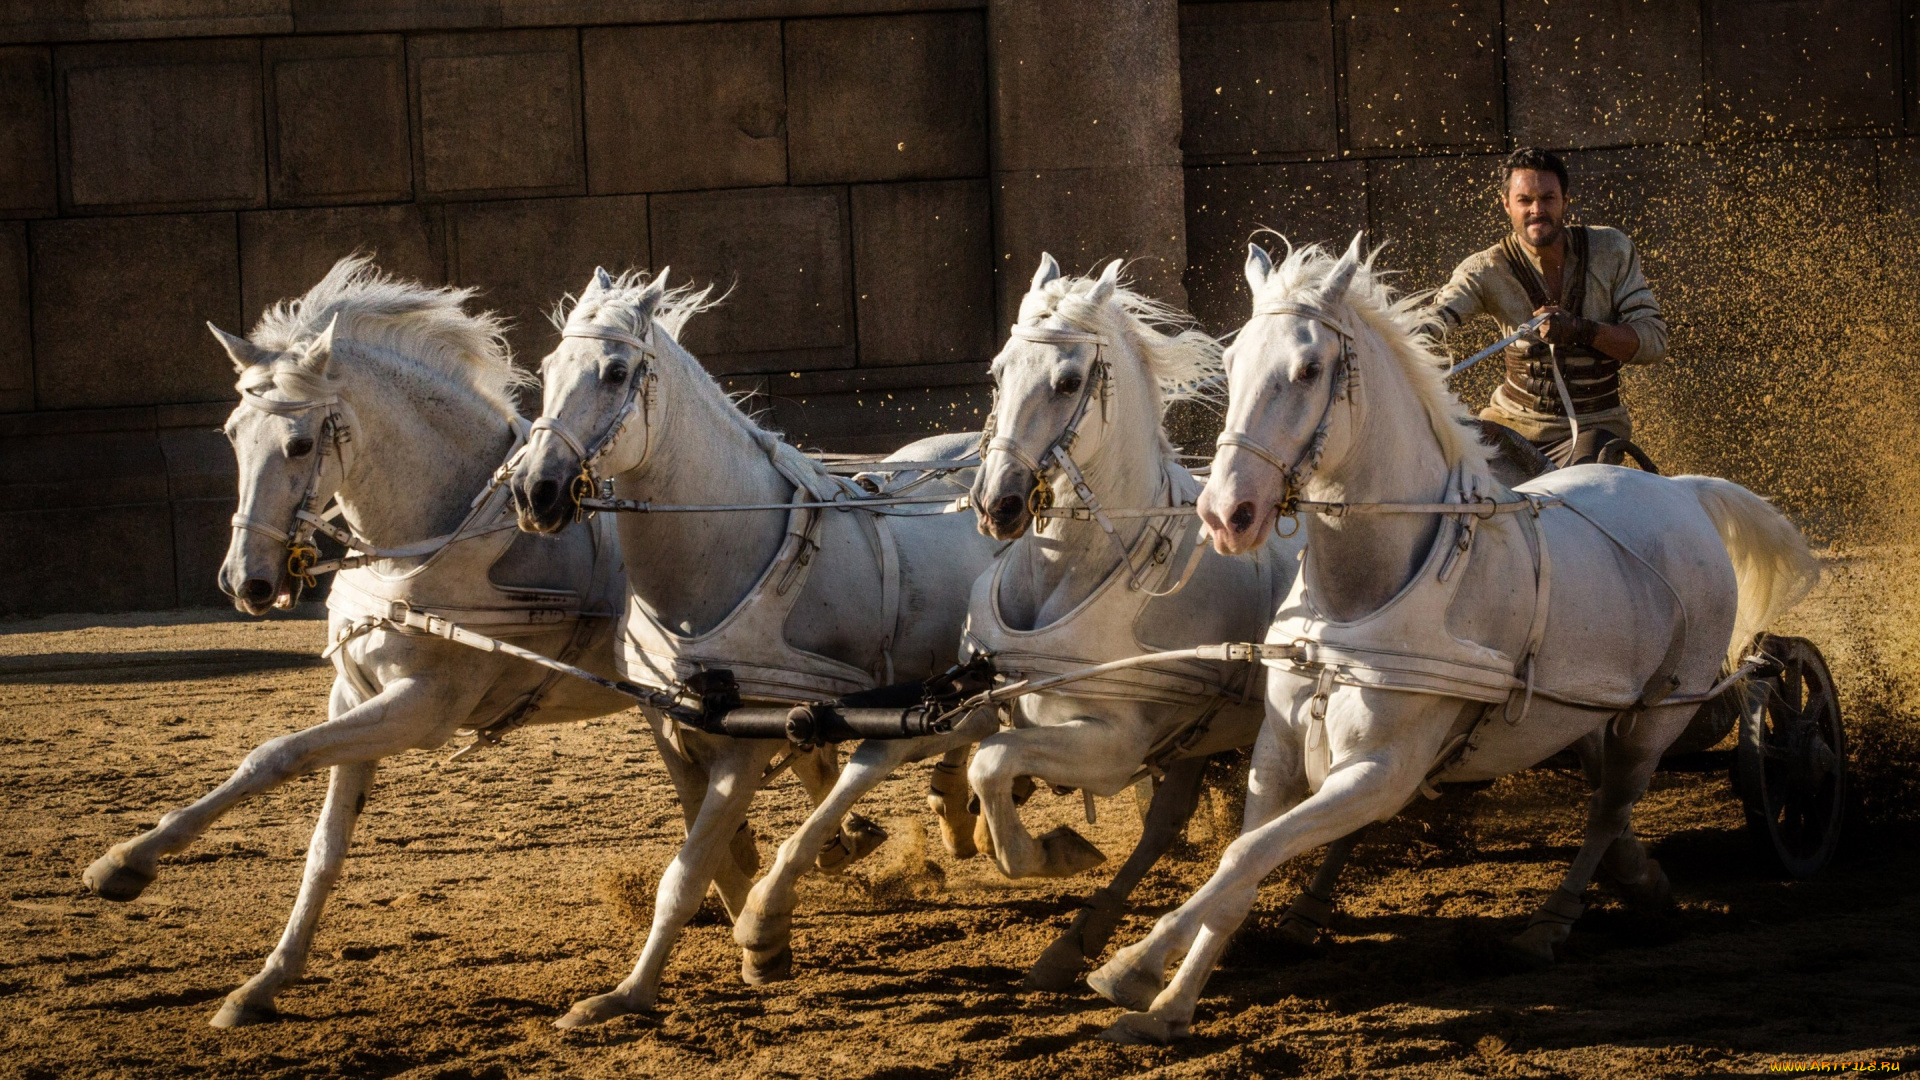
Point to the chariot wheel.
(1790, 768)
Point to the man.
(1600, 314)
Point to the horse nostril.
(544, 494)
(1242, 517)
(1006, 508)
(256, 590)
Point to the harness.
(750, 641)
(1139, 559)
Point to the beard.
(1542, 232)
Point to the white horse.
(389, 398)
(800, 604)
(1081, 389)
(1419, 647)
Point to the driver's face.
(1536, 206)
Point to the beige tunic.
(1617, 292)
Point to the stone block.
(1258, 78)
(868, 410)
(525, 255)
(337, 120)
(202, 530)
(119, 306)
(1664, 197)
(673, 108)
(784, 253)
(161, 126)
(893, 97)
(1603, 72)
(1305, 202)
(69, 470)
(497, 114)
(1433, 212)
(1084, 83)
(284, 252)
(1803, 66)
(1086, 217)
(1422, 73)
(923, 272)
(26, 132)
(102, 20)
(200, 463)
(108, 558)
(16, 334)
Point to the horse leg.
(857, 836)
(764, 930)
(734, 876)
(947, 797)
(1173, 804)
(407, 713)
(735, 774)
(1084, 753)
(1312, 911)
(252, 1003)
(1626, 765)
(1276, 782)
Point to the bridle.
(1058, 454)
(637, 402)
(336, 431)
(1295, 474)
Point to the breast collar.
(1345, 377)
(637, 401)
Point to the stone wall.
(874, 178)
(163, 164)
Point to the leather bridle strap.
(1295, 474)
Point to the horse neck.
(692, 569)
(420, 453)
(1365, 560)
(1067, 563)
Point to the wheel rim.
(1797, 736)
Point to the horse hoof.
(237, 1011)
(955, 835)
(983, 836)
(111, 879)
(1125, 985)
(595, 1010)
(757, 932)
(1068, 853)
(1653, 892)
(859, 837)
(1143, 1029)
(776, 968)
(1532, 948)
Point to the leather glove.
(1564, 328)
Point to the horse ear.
(244, 353)
(1343, 271)
(657, 288)
(1109, 280)
(1259, 265)
(601, 279)
(320, 353)
(1048, 271)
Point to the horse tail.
(1771, 560)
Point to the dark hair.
(1535, 159)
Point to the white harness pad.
(1106, 625)
(751, 641)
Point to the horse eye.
(1068, 384)
(1309, 371)
(300, 447)
(614, 373)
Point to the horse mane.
(1183, 361)
(1401, 322)
(411, 323)
(619, 305)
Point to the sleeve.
(1458, 300)
(1633, 300)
